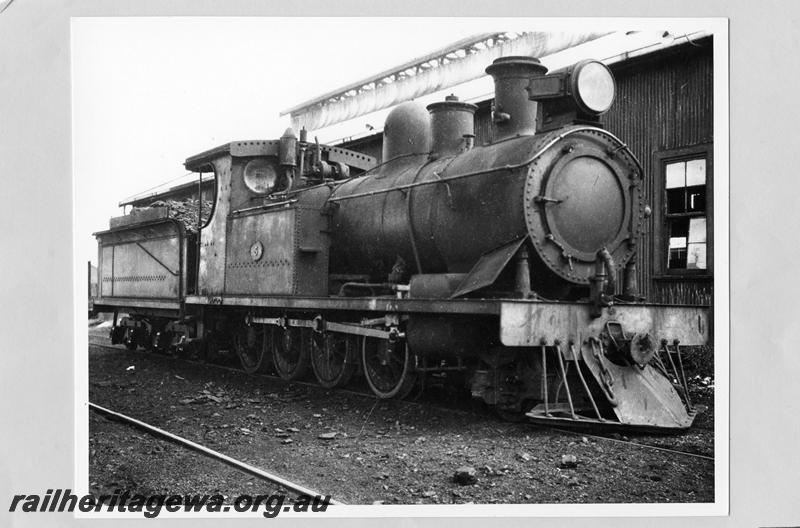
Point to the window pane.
(696, 258)
(676, 200)
(676, 175)
(677, 259)
(679, 227)
(697, 230)
(695, 198)
(677, 242)
(696, 172)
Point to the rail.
(242, 466)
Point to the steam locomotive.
(510, 266)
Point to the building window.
(685, 214)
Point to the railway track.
(216, 455)
(483, 412)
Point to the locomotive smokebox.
(407, 131)
(514, 113)
(452, 126)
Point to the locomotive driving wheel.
(334, 358)
(250, 344)
(388, 367)
(290, 352)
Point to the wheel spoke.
(291, 352)
(331, 359)
(387, 367)
(249, 346)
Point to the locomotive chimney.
(407, 131)
(514, 114)
(452, 126)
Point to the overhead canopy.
(457, 63)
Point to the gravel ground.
(389, 451)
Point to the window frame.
(661, 223)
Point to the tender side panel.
(141, 262)
(261, 253)
(527, 324)
(106, 270)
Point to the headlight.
(592, 87)
(260, 176)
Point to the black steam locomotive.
(510, 266)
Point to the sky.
(149, 92)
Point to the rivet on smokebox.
(569, 461)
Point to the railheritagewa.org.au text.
(151, 506)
